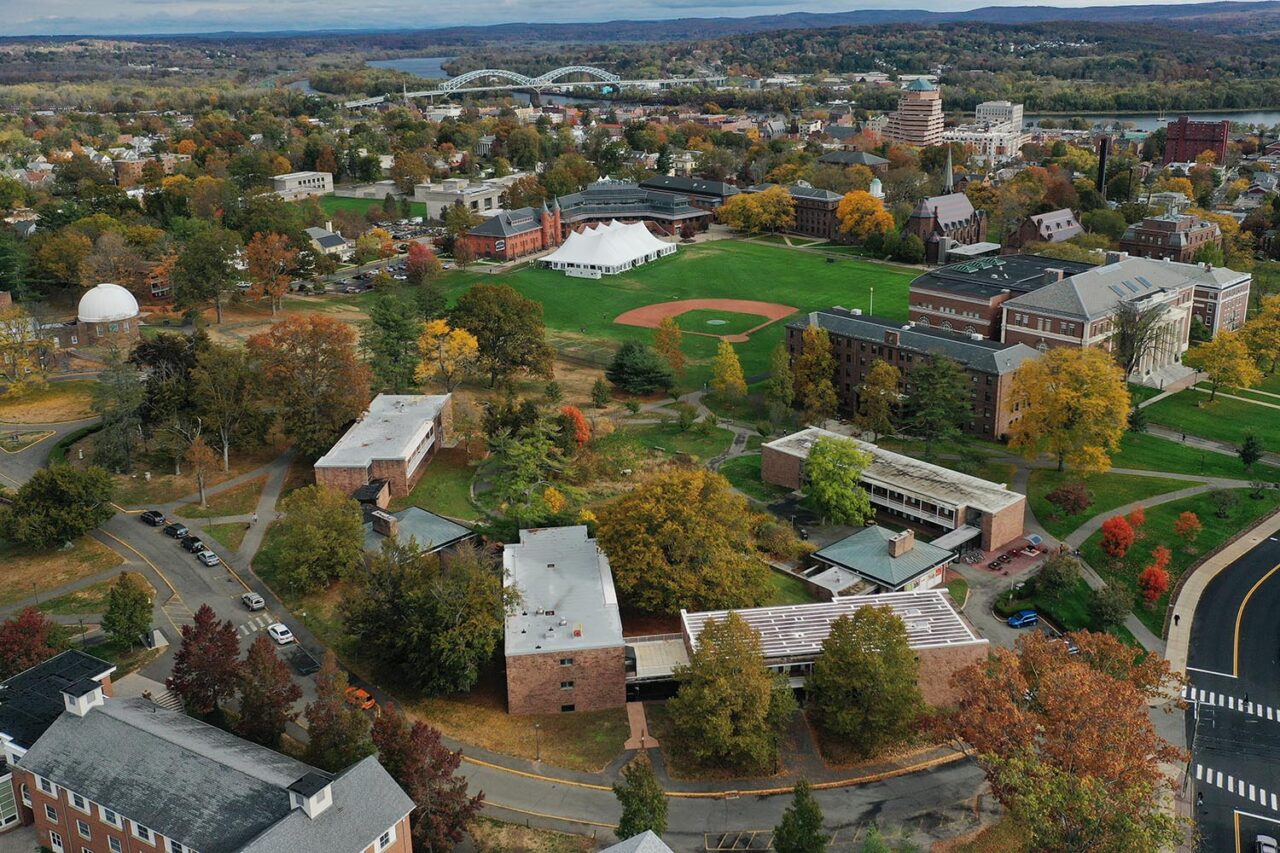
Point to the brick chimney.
(902, 543)
(1053, 274)
(384, 523)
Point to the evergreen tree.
(118, 397)
(939, 404)
(56, 505)
(1251, 450)
(128, 613)
(800, 830)
(600, 395)
(390, 342)
(338, 734)
(637, 369)
(644, 803)
(267, 694)
(206, 667)
(13, 266)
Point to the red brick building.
(563, 642)
(1173, 236)
(516, 233)
(1186, 140)
(942, 219)
(393, 442)
(815, 209)
(857, 341)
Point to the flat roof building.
(563, 646)
(393, 441)
(791, 636)
(298, 185)
(910, 488)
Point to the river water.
(427, 67)
(1150, 121)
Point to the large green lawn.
(1106, 492)
(332, 204)
(744, 473)
(1152, 453)
(1225, 420)
(579, 313)
(445, 487)
(1159, 531)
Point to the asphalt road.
(1233, 724)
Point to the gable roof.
(951, 209)
(853, 158)
(800, 189)
(206, 788)
(1056, 225)
(509, 223)
(645, 842)
(1095, 292)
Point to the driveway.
(17, 468)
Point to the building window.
(80, 803)
(114, 844)
(110, 817)
(47, 786)
(83, 829)
(55, 841)
(50, 812)
(175, 847)
(384, 840)
(565, 709)
(566, 685)
(26, 795)
(566, 661)
(141, 832)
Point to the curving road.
(1233, 723)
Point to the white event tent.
(607, 249)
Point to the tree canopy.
(57, 505)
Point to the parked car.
(360, 698)
(208, 557)
(303, 662)
(194, 544)
(351, 288)
(253, 601)
(1024, 619)
(281, 633)
(1265, 844)
(154, 517)
(176, 530)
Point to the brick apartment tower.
(918, 120)
(1187, 140)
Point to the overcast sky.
(113, 17)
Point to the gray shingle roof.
(509, 223)
(1057, 225)
(801, 190)
(951, 209)
(207, 788)
(867, 553)
(982, 355)
(645, 842)
(1096, 292)
(693, 186)
(852, 158)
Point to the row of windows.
(947, 309)
(106, 815)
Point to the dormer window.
(313, 793)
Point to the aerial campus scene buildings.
(527, 429)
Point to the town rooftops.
(567, 597)
(867, 553)
(907, 474)
(989, 277)
(209, 789)
(1056, 225)
(394, 426)
(509, 223)
(798, 630)
(326, 239)
(691, 186)
(978, 353)
(1096, 292)
(31, 700)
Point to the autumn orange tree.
(271, 260)
(861, 214)
(1187, 528)
(1117, 536)
(667, 341)
(1074, 405)
(310, 369)
(1067, 743)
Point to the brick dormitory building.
(97, 774)
(391, 444)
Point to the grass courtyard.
(579, 313)
(332, 204)
(1223, 419)
(1106, 492)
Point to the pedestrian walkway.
(1225, 781)
(1231, 703)
(640, 737)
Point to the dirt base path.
(649, 316)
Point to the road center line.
(1235, 664)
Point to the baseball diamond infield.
(649, 316)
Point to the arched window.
(1042, 346)
(923, 321)
(946, 325)
(970, 329)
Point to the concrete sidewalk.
(1193, 586)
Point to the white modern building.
(482, 197)
(996, 133)
(299, 185)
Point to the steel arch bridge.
(464, 80)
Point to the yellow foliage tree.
(814, 371)
(447, 354)
(777, 209)
(726, 373)
(1262, 334)
(1074, 405)
(861, 214)
(742, 213)
(667, 341)
(1226, 361)
(22, 342)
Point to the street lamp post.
(871, 304)
(537, 741)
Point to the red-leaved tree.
(427, 770)
(1187, 528)
(28, 639)
(1137, 518)
(206, 667)
(1117, 536)
(1160, 557)
(1154, 582)
(267, 694)
(575, 420)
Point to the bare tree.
(1134, 331)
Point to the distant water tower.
(876, 189)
